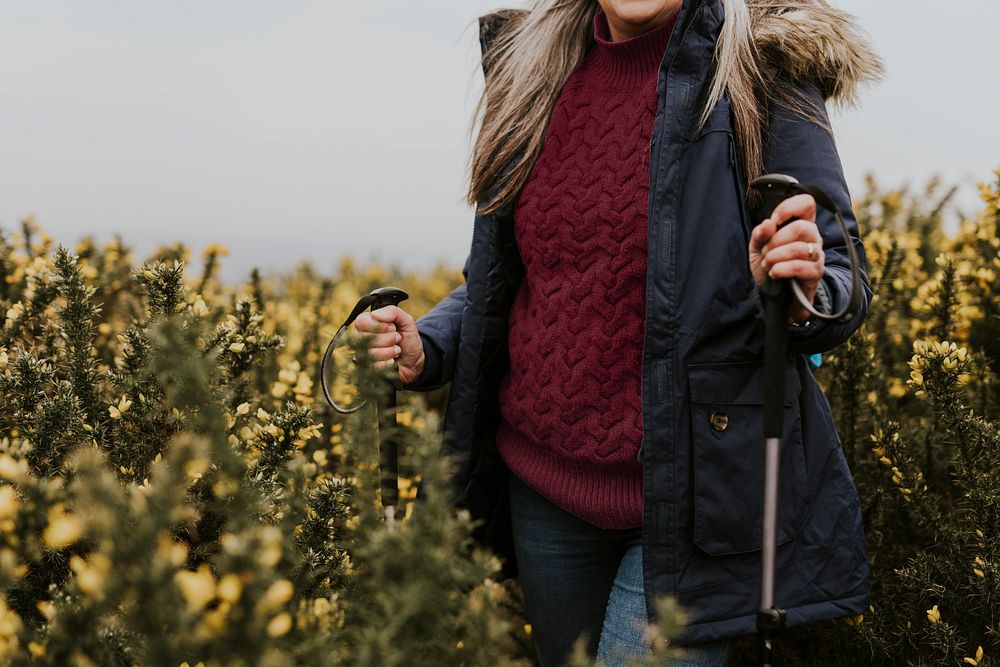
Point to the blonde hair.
(527, 65)
(535, 51)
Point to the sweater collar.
(630, 61)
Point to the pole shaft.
(388, 449)
(777, 298)
(769, 539)
(770, 619)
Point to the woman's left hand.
(788, 245)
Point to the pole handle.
(377, 298)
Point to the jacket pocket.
(728, 457)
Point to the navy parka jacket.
(702, 354)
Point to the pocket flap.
(736, 383)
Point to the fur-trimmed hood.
(809, 38)
(794, 38)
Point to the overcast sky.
(314, 129)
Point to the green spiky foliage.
(172, 492)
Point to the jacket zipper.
(740, 193)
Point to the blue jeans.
(581, 579)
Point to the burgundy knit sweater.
(571, 402)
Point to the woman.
(605, 349)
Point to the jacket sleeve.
(439, 330)
(802, 149)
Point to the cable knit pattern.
(571, 402)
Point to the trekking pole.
(386, 416)
(775, 188)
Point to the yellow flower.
(197, 467)
(214, 621)
(229, 588)
(276, 595)
(63, 529)
(90, 576)
(175, 552)
(279, 625)
(14, 312)
(236, 347)
(47, 609)
(269, 554)
(118, 410)
(10, 626)
(8, 502)
(11, 469)
(198, 588)
(933, 615)
(321, 606)
(215, 249)
(242, 408)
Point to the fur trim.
(809, 38)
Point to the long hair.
(530, 60)
(536, 51)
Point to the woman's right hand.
(393, 337)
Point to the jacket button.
(719, 421)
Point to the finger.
(379, 365)
(385, 340)
(797, 230)
(381, 321)
(383, 353)
(797, 268)
(801, 207)
(365, 324)
(794, 250)
(761, 234)
(396, 315)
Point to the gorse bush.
(173, 489)
(171, 494)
